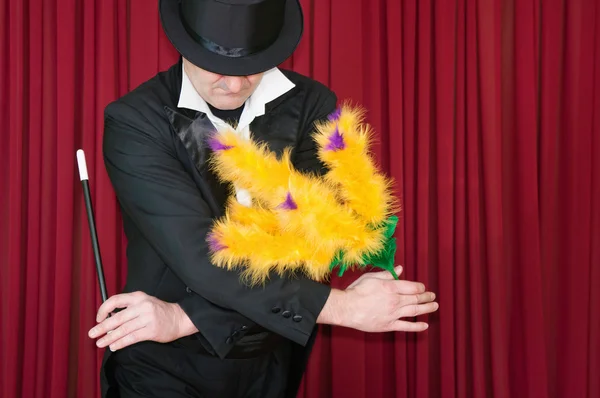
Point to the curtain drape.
(487, 114)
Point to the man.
(185, 327)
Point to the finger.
(118, 301)
(385, 274)
(112, 323)
(122, 331)
(404, 326)
(426, 297)
(406, 287)
(420, 298)
(417, 309)
(134, 337)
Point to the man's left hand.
(143, 318)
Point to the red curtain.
(487, 115)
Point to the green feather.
(384, 259)
(390, 226)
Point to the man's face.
(222, 92)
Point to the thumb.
(385, 274)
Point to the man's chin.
(227, 104)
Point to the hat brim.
(259, 62)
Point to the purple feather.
(217, 145)
(336, 141)
(214, 244)
(335, 115)
(289, 203)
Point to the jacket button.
(244, 327)
(275, 310)
(297, 318)
(187, 289)
(286, 314)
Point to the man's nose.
(234, 83)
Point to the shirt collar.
(273, 85)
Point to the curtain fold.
(487, 116)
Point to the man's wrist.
(185, 325)
(334, 311)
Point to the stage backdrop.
(488, 117)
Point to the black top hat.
(233, 37)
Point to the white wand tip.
(83, 174)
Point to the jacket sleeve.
(162, 200)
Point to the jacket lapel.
(193, 134)
(277, 129)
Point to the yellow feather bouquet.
(303, 222)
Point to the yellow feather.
(320, 217)
(258, 215)
(252, 167)
(269, 179)
(259, 253)
(328, 214)
(352, 169)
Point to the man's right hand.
(376, 302)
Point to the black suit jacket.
(155, 155)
